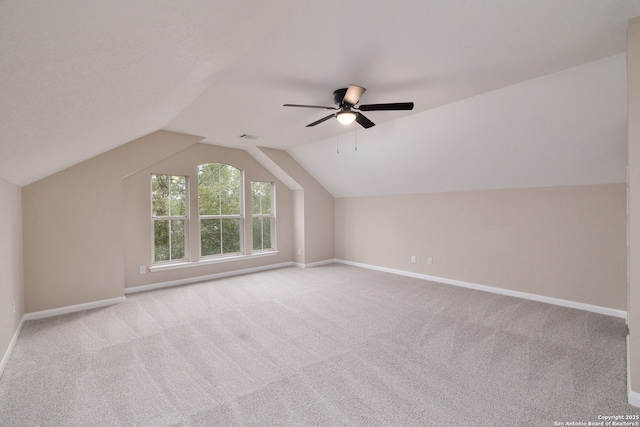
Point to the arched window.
(220, 209)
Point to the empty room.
(284, 213)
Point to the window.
(169, 216)
(220, 209)
(262, 209)
(216, 220)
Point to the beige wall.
(81, 239)
(73, 225)
(137, 209)
(314, 209)
(11, 265)
(565, 242)
(633, 111)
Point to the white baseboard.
(178, 282)
(632, 397)
(12, 344)
(73, 308)
(315, 264)
(540, 298)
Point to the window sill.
(208, 261)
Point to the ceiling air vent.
(247, 136)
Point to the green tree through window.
(262, 213)
(220, 209)
(169, 215)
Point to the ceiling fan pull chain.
(337, 138)
(356, 136)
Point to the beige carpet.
(332, 345)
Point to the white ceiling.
(79, 78)
(567, 128)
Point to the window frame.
(157, 218)
(271, 216)
(239, 216)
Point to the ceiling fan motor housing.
(338, 96)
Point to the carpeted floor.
(331, 345)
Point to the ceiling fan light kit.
(346, 117)
(346, 100)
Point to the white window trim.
(166, 265)
(272, 215)
(240, 216)
(184, 218)
(191, 260)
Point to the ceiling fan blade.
(366, 123)
(353, 94)
(387, 107)
(310, 106)
(317, 122)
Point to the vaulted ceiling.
(507, 94)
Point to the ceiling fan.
(347, 112)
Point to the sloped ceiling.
(567, 128)
(507, 93)
(78, 78)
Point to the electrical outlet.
(430, 261)
(413, 259)
(299, 251)
(143, 269)
(13, 306)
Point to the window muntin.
(262, 215)
(220, 209)
(169, 216)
